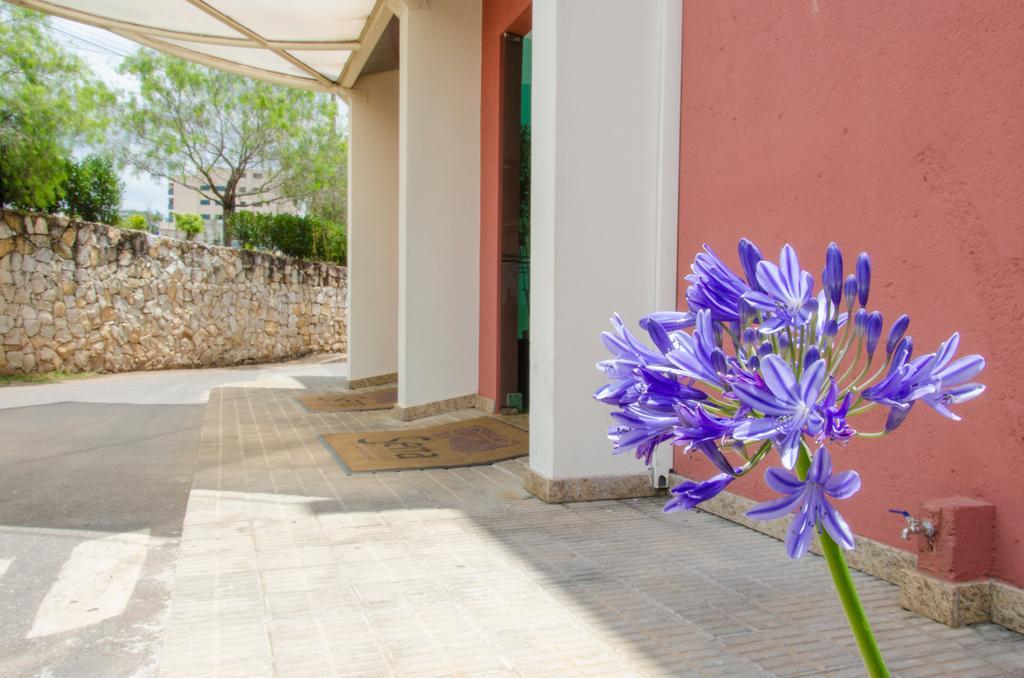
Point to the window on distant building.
(170, 203)
(204, 187)
(222, 188)
(206, 217)
(257, 175)
(170, 190)
(204, 201)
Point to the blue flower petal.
(821, 467)
(778, 376)
(961, 370)
(759, 399)
(775, 508)
(782, 481)
(800, 533)
(837, 528)
(755, 429)
(843, 485)
(811, 381)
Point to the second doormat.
(481, 440)
(354, 401)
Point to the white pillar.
(373, 227)
(439, 200)
(606, 80)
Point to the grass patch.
(42, 378)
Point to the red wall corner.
(499, 16)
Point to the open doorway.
(514, 329)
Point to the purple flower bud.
(863, 278)
(783, 341)
(896, 417)
(749, 336)
(718, 361)
(746, 311)
(850, 290)
(764, 349)
(830, 329)
(903, 351)
(860, 321)
(811, 306)
(749, 256)
(832, 276)
(753, 363)
(716, 329)
(812, 356)
(874, 330)
(899, 328)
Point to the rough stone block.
(1008, 606)
(952, 603)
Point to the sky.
(104, 51)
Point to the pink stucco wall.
(896, 128)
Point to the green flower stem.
(847, 591)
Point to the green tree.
(92, 190)
(207, 129)
(189, 224)
(317, 179)
(307, 237)
(50, 101)
(151, 219)
(134, 222)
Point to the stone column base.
(379, 380)
(559, 491)
(466, 402)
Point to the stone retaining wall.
(77, 296)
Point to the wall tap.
(915, 526)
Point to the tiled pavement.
(291, 568)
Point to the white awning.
(313, 44)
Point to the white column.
(373, 227)
(606, 79)
(439, 200)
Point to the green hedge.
(305, 237)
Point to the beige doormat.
(481, 440)
(351, 401)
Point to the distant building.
(186, 200)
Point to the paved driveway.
(152, 526)
(94, 481)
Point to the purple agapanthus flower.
(809, 499)
(930, 378)
(787, 292)
(714, 287)
(747, 362)
(789, 406)
(630, 354)
(698, 356)
(639, 429)
(688, 494)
